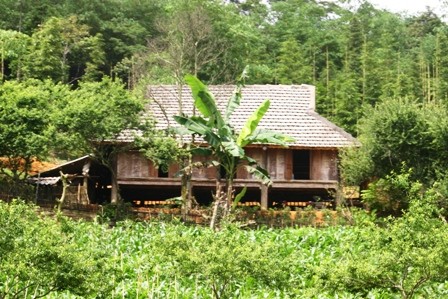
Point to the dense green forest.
(355, 54)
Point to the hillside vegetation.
(356, 55)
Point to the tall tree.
(54, 46)
(293, 66)
(25, 125)
(92, 117)
(13, 48)
(395, 134)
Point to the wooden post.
(264, 188)
(78, 198)
(114, 193)
(264, 197)
(85, 185)
(37, 188)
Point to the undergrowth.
(61, 258)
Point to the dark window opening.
(161, 173)
(301, 165)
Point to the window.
(301, 165)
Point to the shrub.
(406, 255)
(39, 256)
(390, 195)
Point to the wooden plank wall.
(255, 153)
(279, 163)
(323, 165)
(133, 164)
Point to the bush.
(39, 256)
(61, 258)
(390, 195)
(406, 255)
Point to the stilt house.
(305, 171)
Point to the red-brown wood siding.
(323, 165)
(132, 164)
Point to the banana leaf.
(252, 123)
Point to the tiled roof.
(291, 112)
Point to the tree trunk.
(186, 190)
(111, 163)
(114, 190)
(217, 199)
(229, 192)
(264, 197)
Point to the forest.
(73, 76)
(356, 55)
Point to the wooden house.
(305, 171)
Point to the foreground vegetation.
(57, 257)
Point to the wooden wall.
(278, 162)
(203, 172)
(133, 164)
(323, 165)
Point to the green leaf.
(238, 198)
(204, 100)
(252, 123)
(233, 103)
(201, 151)
(212, 139)
(260, 173)
(226, 133)
(181, 131)
(233, 149)
(267, 136)
(192, 124)
(250, 160)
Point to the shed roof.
(291, 112)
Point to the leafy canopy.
(25, 121)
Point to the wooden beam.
(251, 183)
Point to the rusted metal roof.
(292, 112)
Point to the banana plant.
(224, 144)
